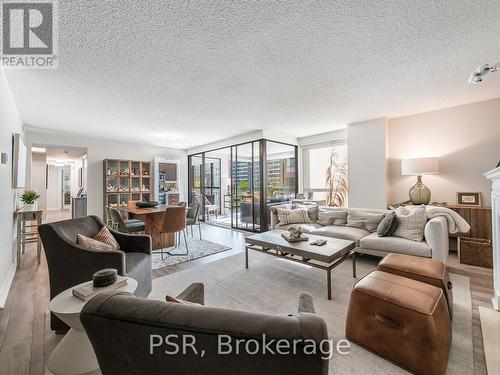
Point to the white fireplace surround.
(494, 176)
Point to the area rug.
(273, 285)
(197, 249)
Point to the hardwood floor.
(22, 322)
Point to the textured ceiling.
(181, 74)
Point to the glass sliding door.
(236, 185)
(243, 212)
(196, 188)
(281, 173)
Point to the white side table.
(74, 354)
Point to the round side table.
(74, 354)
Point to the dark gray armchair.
(120, 328)
(71, 264)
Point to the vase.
(419, 193)
(31, 206)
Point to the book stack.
(87, 291)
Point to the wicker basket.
(475, 252)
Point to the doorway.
(58, 174)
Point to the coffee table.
(325, 257)
(74, 353)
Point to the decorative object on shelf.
(419, 193)
(104, 277)
(29, 198)
(469, 199)
(477, 76)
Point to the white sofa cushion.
(336, 216)
(342, 232)
(306, 228)
(364, 219)
(396, 245)
(411, 224)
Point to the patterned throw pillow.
(105, 236)
(298, 216)
(364, 220)
(312, 211)
(332, 217)
(411, 224)
(91, 243)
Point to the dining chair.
(125, 226)
(193, 217)
(107, 218)
(174, 221)
(182, 204)
(210, 207)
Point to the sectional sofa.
(435, 244)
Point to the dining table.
(152, 216)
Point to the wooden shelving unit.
(127, 180)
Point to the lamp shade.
(419, 167)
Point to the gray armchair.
(120, 326)
(71, 264)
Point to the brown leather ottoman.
(402, 320)
(421, 269)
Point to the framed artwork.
(469, 199)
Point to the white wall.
(465, 138)
(38, 178)
(367, 158)
(54, 188)
(100, 149)
(9, 123)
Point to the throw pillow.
(364, 220)
(105, 236)
(312, 211)
(298, 216)
(91, 243)
(332, 217)
(411, 224)
(169, 298)
(388, 225)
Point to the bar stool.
(28, 233)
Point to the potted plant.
(29, 198)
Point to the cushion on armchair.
(103, 240)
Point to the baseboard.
(7, 282)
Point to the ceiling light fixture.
(477, 77)
(38, 150)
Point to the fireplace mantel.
(494, 176)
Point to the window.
(325, 172)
